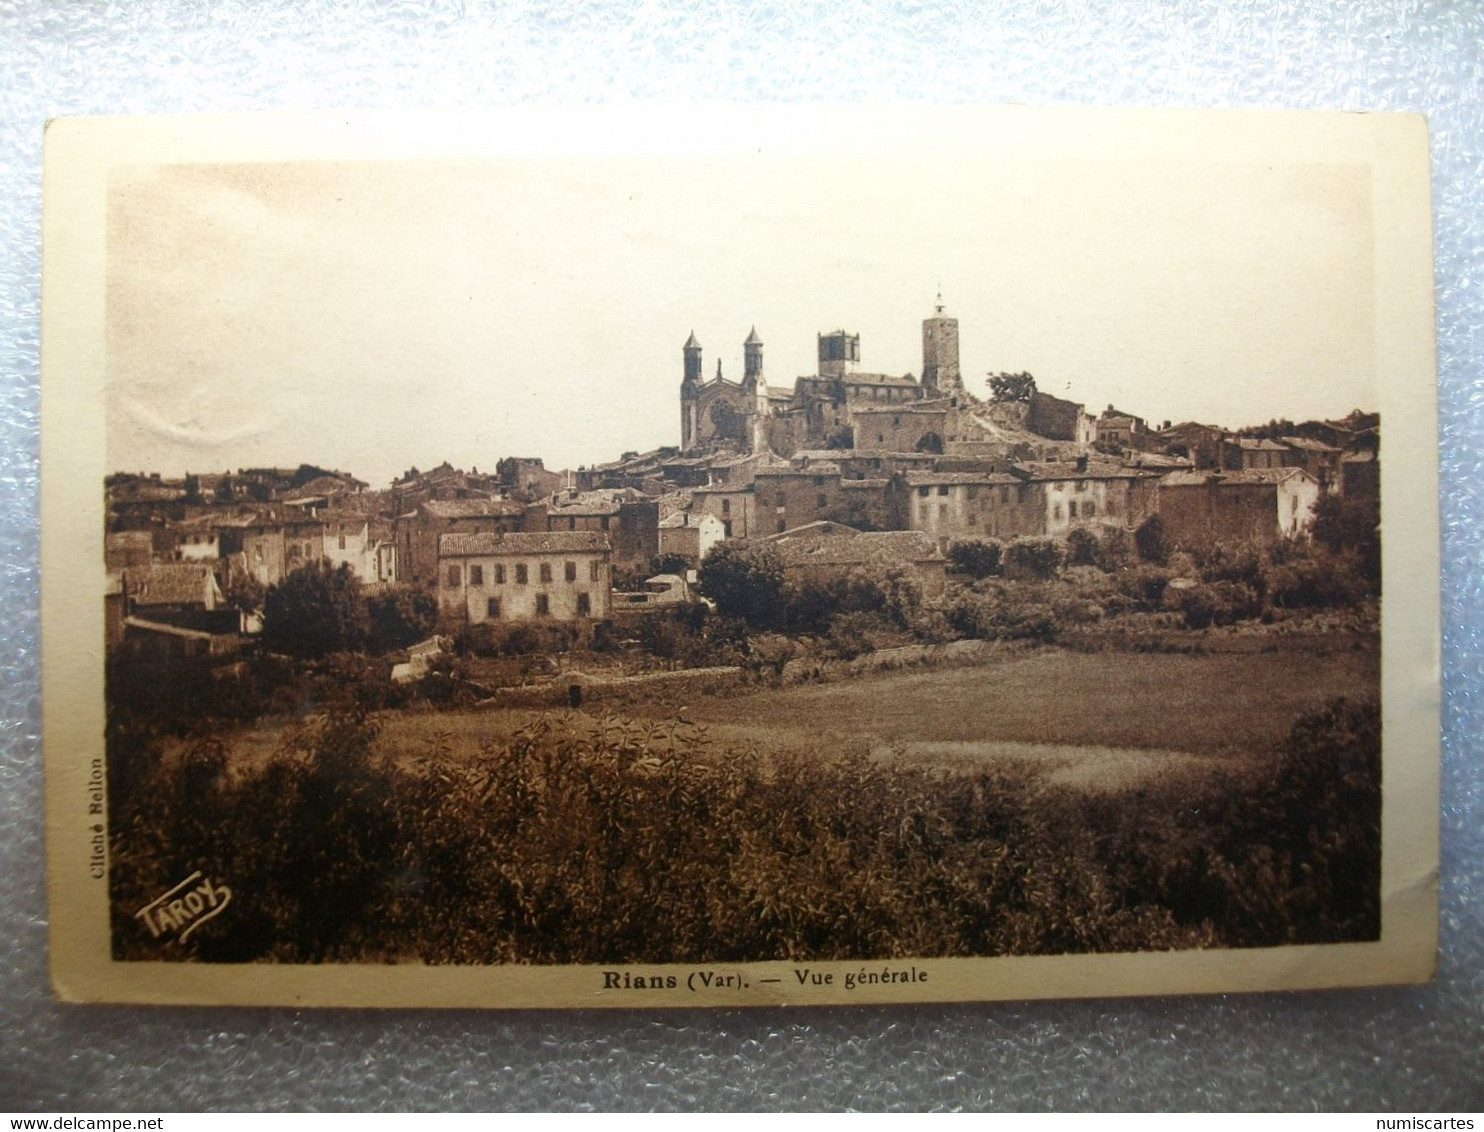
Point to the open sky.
(372, 316)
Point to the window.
(605, 522)
(880, 438)
(522, 574)
(571, 522)
(973, 492)
(543, 605)
(726, 529)
(492, 609)
(570, 572)
(923, 490)
(1056, 510)
(584, 605)
(595, 571)
(726, 506)
(782, 526)
(1081, 485)
(821, 500)
(942, 510)
(1089, 509)
(500, 574)
(546, 571)
(1072, 509)
(942, 489)
(342, 542)
(453, 575)
(1005, 494)
(476, 575)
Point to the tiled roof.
(865, 548)
(168, 584)
(687, 519)
(824, 468)
(932, 479)
(1245, 476)
(1305, 444)
(522, 542)
(1250, 444)
(472, 508)
(879, 379)
(1054, 470)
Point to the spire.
(938, 305)
(691, 343)
(752, 338)
(718, 369)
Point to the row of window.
(1088, 509)
(523, 573)
(543, 606)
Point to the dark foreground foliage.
(584, 841)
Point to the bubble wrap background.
(1414, 1049)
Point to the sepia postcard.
(661, 556)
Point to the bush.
(978, 558)
(617, 842)
(1214, 603)
(1151, 541)
(1082, 547)
(400, 617)
(745, 580)
(1322, 581)
(317, 609)
(1036, 558)
(1115, 550)
(1145, 586)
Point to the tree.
(746, 581)
(317, 609)
(1150, 540)
(400, 617)
(1011, 386)
(1350, 526)
(978, 558)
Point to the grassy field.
(1044, 801)
(1129, 716)
(1202, 703)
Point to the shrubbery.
(620, 842)
(978, 558)
(1034, 558)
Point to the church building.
(826, 409)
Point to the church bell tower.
(940, 372)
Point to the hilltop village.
(833, 472)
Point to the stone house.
(629, 521)
(733, 508)
(1057, 419)
(690, 534)
(556, 575)
(824, 550)
(1200, 443)
(1241, 453)
(273, 549)
(1320, 460)
(790, 497)
(1360, 474)
(948, 506)
(1255, 505)
(417, 533)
